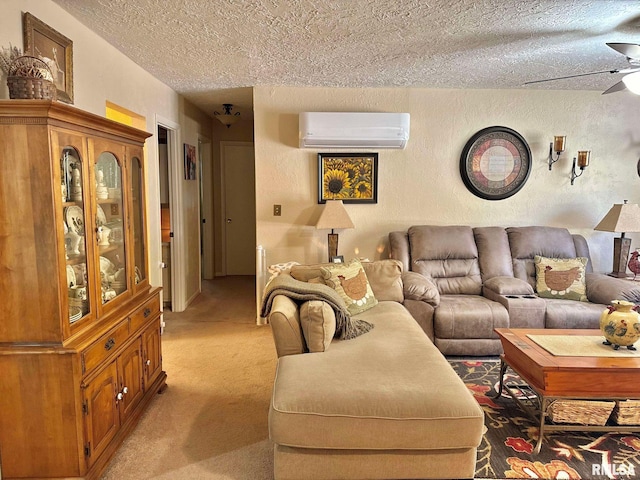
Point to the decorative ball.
(620, 324)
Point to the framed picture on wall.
(189, 162)
(53, 48)
(350, 177)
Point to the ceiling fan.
(630, 81)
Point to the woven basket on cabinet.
(30, 78)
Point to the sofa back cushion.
(527, 242)
(385, 277)
(448, 255)
(494, 255)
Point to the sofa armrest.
(418, 287)
(285, 327)
(603, 289)
(504, 285)
(422, 313)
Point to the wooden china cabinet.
(80, 352)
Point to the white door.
(238, 168)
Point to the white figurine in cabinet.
(76, 185)
(103, 235)
(102, 192)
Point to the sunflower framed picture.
(350, 177)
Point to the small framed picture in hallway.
(189, 162)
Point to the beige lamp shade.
(334, 216)
(623, 217)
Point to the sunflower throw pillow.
(561, 278)
(352, 284)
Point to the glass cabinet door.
(139, 234)
(75, 244)
(110, 229)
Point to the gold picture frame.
(56, 50)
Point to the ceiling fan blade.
(618, 87)
(572, 76)
(630, 50)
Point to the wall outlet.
(277, 210)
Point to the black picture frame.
(350, 177)
(495, 163)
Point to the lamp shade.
(334, 215)
(623, 217)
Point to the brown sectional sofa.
(383, 405)
(485, 278)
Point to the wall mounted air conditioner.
(353, 130)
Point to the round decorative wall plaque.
(495, 163)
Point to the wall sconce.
(558, 145)
(227, 118)
(583, 162)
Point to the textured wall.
(421, 184)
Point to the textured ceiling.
(213, 51)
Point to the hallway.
(211, 422)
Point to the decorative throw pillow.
(352, 284)
(561, 278)
(318, 321)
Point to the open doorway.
(165, 214)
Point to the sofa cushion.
(448, 255)
(572, 314)
(561, 278)
(527, 242)
(318, 322)
(351, 283)
(388, 389)
(385, 278)
(468, 316)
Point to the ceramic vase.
(620, 324)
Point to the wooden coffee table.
(554, 377)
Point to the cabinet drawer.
(104, 346)
(145, 313)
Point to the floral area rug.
(507, 448)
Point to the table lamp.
(334, 216)
(621, 218)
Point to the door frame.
(207, 230)
(178, 302)
(223, 201)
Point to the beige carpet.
(211, 421)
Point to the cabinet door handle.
(147, 312)
(125, 390)
(119, 397)
(148, 362)
(109, 344)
